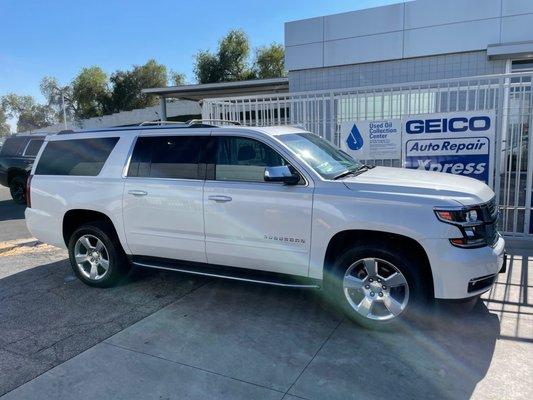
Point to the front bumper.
(461, 273)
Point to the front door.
(250, 223)
(163, 198)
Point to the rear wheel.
(17, 188)
(379, 286)
(96, 255)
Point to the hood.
(412, 182)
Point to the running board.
(219, 271)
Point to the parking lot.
(173, 336)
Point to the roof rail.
(212, 122)
(162, 123)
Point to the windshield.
(324, 158)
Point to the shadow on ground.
(10, 210)
(47, 316)
(290, 341)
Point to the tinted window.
(243, 159)
(14, 146)
(174, 157)
(81, 157)
(33, 147)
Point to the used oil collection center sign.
(458, 143)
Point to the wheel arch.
(77, 217)
(344, 239)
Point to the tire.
(17, 189)
(390, 304)
(96, 255)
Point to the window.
(13, 146)
(173, 157)
(79, 157)
(243, 159)
(522, 65)
(33, 147)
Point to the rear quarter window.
(77, 157)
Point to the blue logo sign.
(354, 140)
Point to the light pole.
(63, 107)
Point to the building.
(413, 41)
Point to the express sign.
(458, 143)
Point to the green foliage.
(4, 126)
(31, 115)
(233, 53)
(127, 85)
(58, 97)
(90, 93)
(270, 61)
(206, 67)
(230, 63)
(177, 78)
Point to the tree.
(4, 126)
(233, 53)
(177, 78)
(127, 85)
(58, 97)
(90, 93)
(30, 115)
(270, 61)
(230, 63)
(206, 68)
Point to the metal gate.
(322, 112)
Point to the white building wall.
(174, 109)
(412, 29)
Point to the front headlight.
(471, 223)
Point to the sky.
(58, 37)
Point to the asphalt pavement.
(12, 225)
(168, 335)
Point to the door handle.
(220, 199)
(137, 192)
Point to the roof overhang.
(222, 89)
(510, 50)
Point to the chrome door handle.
(220, 199)
(137, 192)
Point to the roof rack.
(162, 123)
(212, 122)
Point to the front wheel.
(379, 286)
(17, 189)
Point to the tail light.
(28, 191)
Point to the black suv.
(16, 159)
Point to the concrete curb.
(13, 244)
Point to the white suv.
(276, 205)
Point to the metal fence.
(322, 112)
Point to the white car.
(276, 205)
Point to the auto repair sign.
(458, 143)
(369, 140)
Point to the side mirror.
(281, 174)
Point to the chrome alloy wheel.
(376, 289)
(92, 257)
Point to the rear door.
(163, 197)
(251, 223)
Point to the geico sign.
(459, 124)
